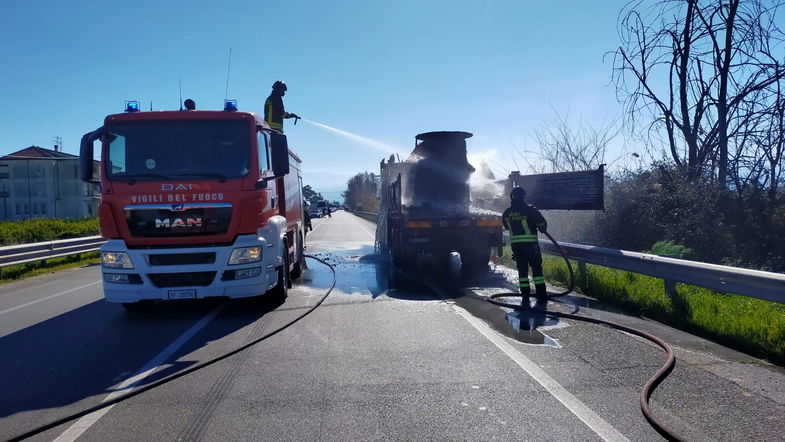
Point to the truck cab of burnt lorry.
(195, 204)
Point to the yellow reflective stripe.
(523, 238)
(538, 279)
(272, 125)
(525, 225)
(269, 113)
(524, 285)
(523, 279)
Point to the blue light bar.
(131, 106)
(230, 105)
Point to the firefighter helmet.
(517, 194)
(279, 86)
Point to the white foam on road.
(83, 424)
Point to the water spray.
(378, 145)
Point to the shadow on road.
(85, 352)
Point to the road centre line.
(83, 424)
(597, 424)
(9, 310)
(317, 226)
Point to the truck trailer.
(426, 213)
(195, 204)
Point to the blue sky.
(385, 70)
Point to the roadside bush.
(45, 229)
(669, 248)
(694, 218)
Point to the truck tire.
(394, 276)
(475, 260)
(297, 269)
(281, 289)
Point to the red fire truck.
(195, 204)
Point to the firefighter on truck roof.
(524, 221)
(274, 112)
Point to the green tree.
(311, 195)
(361, 192)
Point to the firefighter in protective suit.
(274, 112)
(524, 221)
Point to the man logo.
(172, 187)
(171, 223)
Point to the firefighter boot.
(542, 295)
(523, 284)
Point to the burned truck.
(428, 209)
(426, 212)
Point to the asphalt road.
(429, 362)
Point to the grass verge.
(367, 215)
(13, 273)
(749, 325)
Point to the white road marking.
(9, 310)
(76, 430)
(317, 226)
(597, 424)
(373, 235)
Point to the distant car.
(315, 213)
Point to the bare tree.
(690, 69)
(566, 147)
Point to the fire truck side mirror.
(86, 155)
(280, 154)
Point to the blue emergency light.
(131, 106)
(230, 105)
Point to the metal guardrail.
(367, 215)
(25, 253)
(752, 283)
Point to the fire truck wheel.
(297, 269)
(281, 290)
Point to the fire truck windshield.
(154, 150)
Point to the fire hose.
(650, 385)
(178, 375)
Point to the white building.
(43, 183)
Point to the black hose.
(651, 383)
(170, 378)
(563, 253)
(648, 387)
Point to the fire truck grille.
(162, 280)
(165, 221)
(174, 259)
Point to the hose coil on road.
(187, 371)
(650, 385)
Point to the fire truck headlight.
(116, 260)
(244, 255)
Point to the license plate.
(182, 294)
